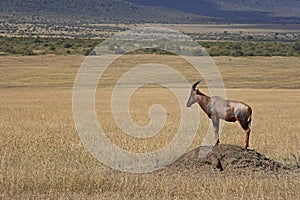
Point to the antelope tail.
(249, 117)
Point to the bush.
(52, 48)
(296, 45)
(68, 45)
(237, 53)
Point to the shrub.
(52, 48)
(68, 45)
(296, 45)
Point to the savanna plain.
(42, 156)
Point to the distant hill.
(240, 11)
(95, 11)
(153, 11)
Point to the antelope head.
(193, 95)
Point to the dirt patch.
(228, 159)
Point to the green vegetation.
(78, 46)
(252, 48)
(296, 46)
(41, 46)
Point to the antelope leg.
(246, 143)
(215, 122)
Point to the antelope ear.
(196, 84)
(198, 91)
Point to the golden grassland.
(237, 72)
(43, 157)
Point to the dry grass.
(259, 72)
(60, 71)
(41, 155)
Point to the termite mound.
(228, 159)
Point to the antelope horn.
(195, 85)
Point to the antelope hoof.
(245, 147)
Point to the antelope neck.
(203, 101)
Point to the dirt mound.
(226, 158)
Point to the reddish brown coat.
(217, 108)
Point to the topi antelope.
(218, 108)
